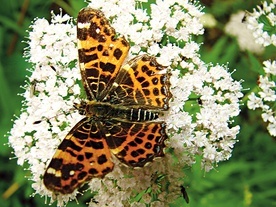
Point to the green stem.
(66, 7)
(245, 98)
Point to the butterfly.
(120, 113)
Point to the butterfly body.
(103, 110)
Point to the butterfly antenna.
(54, 117)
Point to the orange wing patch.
(121, 109)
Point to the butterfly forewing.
(101, 53)
(83, 154)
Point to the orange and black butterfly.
(123, 103)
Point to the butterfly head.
(81, 107)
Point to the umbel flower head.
(262, 22)
(204, 101)
(265, 98)
(238, 29)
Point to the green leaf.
(268, 27)
(255, 64)
(214, 54)
(10, 24)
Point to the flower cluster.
(262, 22)
(237, 28)
(199, 121)
(50, 93)
(265, 98)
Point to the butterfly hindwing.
(83, 154)
(134, 143)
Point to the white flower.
(272, 128)
(265, 98)
(254, 102)
(244, 36)
(270, 67)
(208, 20)
(263, 30)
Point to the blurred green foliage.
(247, 179)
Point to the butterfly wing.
(142, 82)
(101, 52)
(82, 155)
(135, 143)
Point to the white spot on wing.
(83, 25)
(126, 67)
(115, 84)
(162, 72)
(51, 171)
